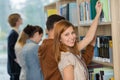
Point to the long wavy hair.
(58, 47)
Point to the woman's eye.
(73, 32)
(66, 34)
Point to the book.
(106, 9)
(92, 8)
(82, 10)
(85, 12)
(64, 11)
(111, 51)
(67, 10)
(73, 17)
(102, 49)
(105, 73)
(51, 11)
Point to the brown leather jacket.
(88, 54)
(49, 65)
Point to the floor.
(3, 67)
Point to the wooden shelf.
(89, 23)
(104, 23)
(50, 6)
(66, 0)
(103, 63)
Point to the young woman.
(30, 53)
(67, 51)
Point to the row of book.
(103, 49)
(69, 11)
(88, 12)
(104, 73)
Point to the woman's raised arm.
(92, 30)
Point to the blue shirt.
(30, 55)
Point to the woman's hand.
(98, 8)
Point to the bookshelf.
(108, 28)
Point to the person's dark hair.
(39, 29)
(53, 19)
(30, 30)
(13, 18)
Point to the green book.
(105, 9)
(92, 8)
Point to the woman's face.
(68, 37)
(38, 37)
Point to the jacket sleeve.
(11, 44)
(88, 54)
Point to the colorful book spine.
(106, 9)
(104, 73)
(111, 51)
(67, 10)
(88, 12)
(51, 11)
(102, 49)
(92, 8)
(64, 11)
(73, 17)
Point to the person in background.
(12, 66)
(67, 51)
(18, 51)
(30, 53)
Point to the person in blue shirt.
(30, 53)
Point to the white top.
(68, 58)
(18, 50)
(21, 62)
